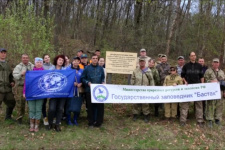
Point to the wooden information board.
(120, 62)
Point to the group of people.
(148, 72)
(13, 90)
(160, 73)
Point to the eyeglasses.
(172, 70)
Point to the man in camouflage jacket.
(142, 76)
(19, 77)
(6, 84)
(214, 108)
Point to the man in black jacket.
(192, 74)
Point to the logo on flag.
(49, 84)
(52, 82)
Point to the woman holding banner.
(35, 106)
(74, 104)
(56, 105)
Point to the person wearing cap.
(6, 84)
(172, 80)
(79, 53)
(214, 108)
(35, 106)
(155, 74)
(192, 74)
(180, 64)
(77, 86)
(142, 76)
(84, 61)
(163, 68)
(159, 59)
(144, 56)
(19, 77)
(93, 74)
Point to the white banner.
(108, 93)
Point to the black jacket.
(192, 72)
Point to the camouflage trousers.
(214, 109)
(170, 110)
(138, 108)
(20, 101)
(184, 107)
(8, 99)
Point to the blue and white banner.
(49, 84)
(108, 93)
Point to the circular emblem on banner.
(100, 93)
(52, 82)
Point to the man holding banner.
(214, 108)
(93, 74)
(192, 74)
(142, 76)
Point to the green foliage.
(23, 31)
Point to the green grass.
(117, 132)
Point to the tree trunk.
(173, 28)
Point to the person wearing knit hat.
(35, 106)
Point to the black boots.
(8, 113)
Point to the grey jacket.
(18, 78)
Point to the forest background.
(172, 27)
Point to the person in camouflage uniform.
(163, 68)
(155, 73)
(180, 64)
(6, 84)
(172, 80)
(19, 77)
(142, 76)
(159, 59)
(143, 56)
(214, 108)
